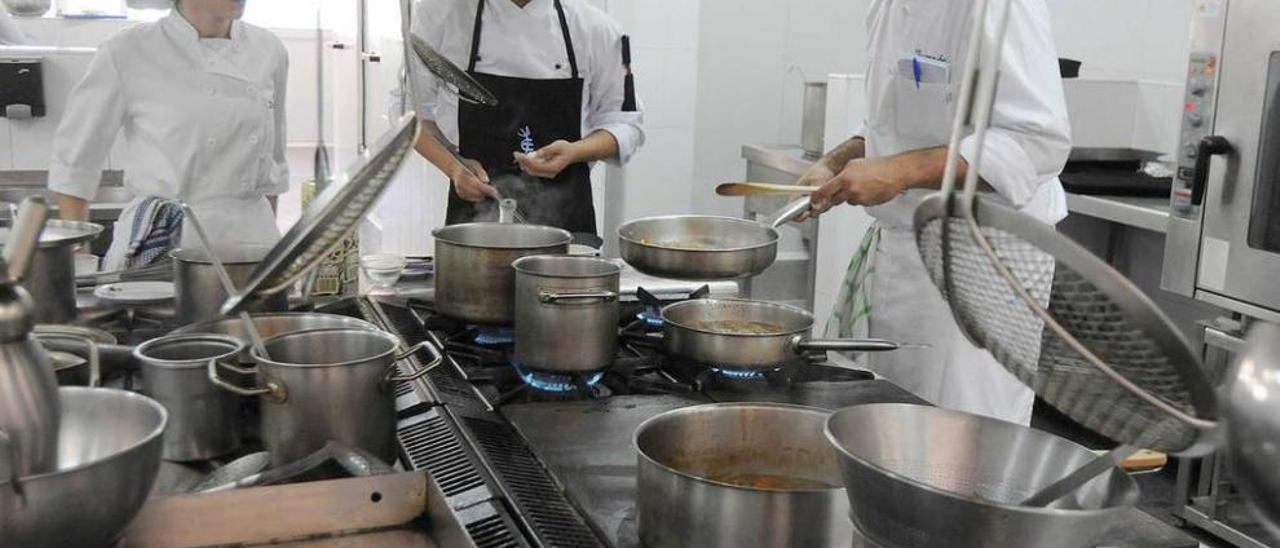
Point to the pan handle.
(843, 345)
(789, 211)
(552, 297)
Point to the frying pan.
(746, 335)
(703, 247)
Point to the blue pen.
(916, 70)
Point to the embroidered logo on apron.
(526, 140)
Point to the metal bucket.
(566, 313)
(204, 422)
(327, 385)
(740, 474)
(922, 477)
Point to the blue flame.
(738, 374)
(495, 336)
(650, 317)
(556, 383)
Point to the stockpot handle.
(800, 344)
(436, 359)
(273, 389)
(95, 360)
(553, 297)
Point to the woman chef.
(559, 69)
(200, 98)
(897, 158)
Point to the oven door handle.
(1210, 146)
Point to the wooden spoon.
(761, 189)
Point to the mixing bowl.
(108, 456)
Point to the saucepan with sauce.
(746, 335)
(739, 474)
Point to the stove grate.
(553, 520)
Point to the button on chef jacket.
(913, 46)
(527, 43)
(203, 121)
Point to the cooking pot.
(566, 313)
(204, 422)
(327, 384)
(739, 474)
(746, 335)
(474, 278)
(51, 279)
(271, 324)
(199, 293)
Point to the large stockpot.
(474, 278)
(927, 477)
(198, 291)
(108, 457)
(748, 335)
(702, 247)
(271, 324)
(567, 313)
(739, 474)
(204, 422)
(51, 280)
(327, 385)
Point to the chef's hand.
(470, 187)
(547, 162)
(864, 182)
(817, 175)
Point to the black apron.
(530, 114)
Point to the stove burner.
(739, 374)
(558, 383)
(652, 313)
(494, 336)
(651, 318)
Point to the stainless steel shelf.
(1145, 213)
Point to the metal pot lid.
(330, 218)
(58, 233)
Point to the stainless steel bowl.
(920, 476)
(739, 474)
(108, 456)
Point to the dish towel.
(854, 304)
(157, 228)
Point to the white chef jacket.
(203, 121)
(10, 34)
(527, 43)
(1026, 147)
(1030, 136)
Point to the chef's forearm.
(433, 150)
(925, 167)
(848, 151)
(71, 208)
(599, 145)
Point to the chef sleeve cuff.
(279, 182)
(1005, 166)
(73, 181)
(629, 137)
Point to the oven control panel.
(1197, 124)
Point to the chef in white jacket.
(198, 97)
(916, 49)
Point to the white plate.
(135, 292)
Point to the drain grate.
(537, 497)
(429, 444)
(491, 532)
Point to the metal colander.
(1082, 336)
(1058, 318)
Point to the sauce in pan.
(769, 481)
(736, 327)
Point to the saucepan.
(739, 474)
(748, 335)
(703, 247)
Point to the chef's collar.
(177, 24)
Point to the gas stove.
(530, 459)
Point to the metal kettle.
(29, 406)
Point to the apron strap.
(475, 38)
(568, 40)
(564, 30)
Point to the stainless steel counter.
(1145, 213)
(789, 159)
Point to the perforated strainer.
(1058, 318)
